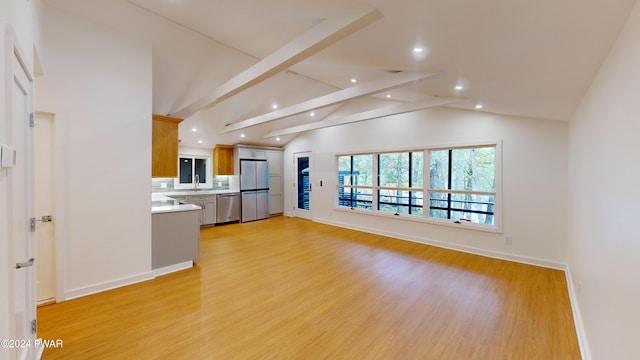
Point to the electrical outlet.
(508, 239)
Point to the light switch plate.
(7, 156)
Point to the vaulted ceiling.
(224, 64)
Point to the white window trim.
(497, 209)
(206, 185)
(378, 187)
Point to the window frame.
(451, 191)
(408, 189)
(426, 190)
(355, 187)
(208, 172)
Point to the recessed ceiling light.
(354, 80)
(194, 129)
(459, 87)
(241, 135)
(274, 106)
(312, 114)
(388, 96)
(418, 50)
(199, 141)
(479, 106)
(277, 139)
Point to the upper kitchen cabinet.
(223, 160)
(252, 153)
(275, 157)
(164, 162)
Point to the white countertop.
(161, 203)
(199, 192)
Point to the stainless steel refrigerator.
(254, 188)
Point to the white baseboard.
(129, 280)
(38, 352)
(107, 285)
(577, 317)
(172, 268)
(467, 249)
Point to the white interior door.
(302, 185)
(21, 199)
(44, 196)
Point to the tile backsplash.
(219, 183)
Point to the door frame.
(59, 196)
(54, 193)
(297, 212)
(13, 53)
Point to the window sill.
(192, 186)
(450, 223)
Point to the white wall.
(534, 178)
(604, 195)
(22, 17)
(99, 81)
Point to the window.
(192, 170)
(400, 179)
(462, 184)
(304, 184)
(458, 183)
(355, 181)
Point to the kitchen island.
(175, 234)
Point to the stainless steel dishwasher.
(227, 208)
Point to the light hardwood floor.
(286, 288)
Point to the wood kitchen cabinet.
(223, 160)
(164, 146)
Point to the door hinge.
(32, 120)
(34, 326)
(33, 224)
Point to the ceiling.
(516, 57)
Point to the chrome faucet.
(197, 182)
